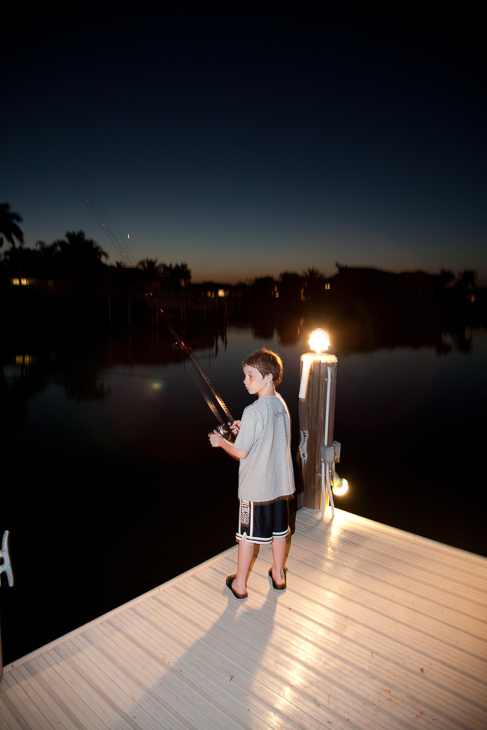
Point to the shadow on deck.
(378, 629)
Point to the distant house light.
(23, 360)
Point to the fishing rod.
(222, 428)
(122, 249)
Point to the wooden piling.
(316, 421)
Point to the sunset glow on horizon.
(249, 149)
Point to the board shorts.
(261, 522)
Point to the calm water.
(109, 486)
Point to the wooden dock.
(378, 629)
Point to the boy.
(266, 477)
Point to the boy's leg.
(244, 559)
(279, 555)
(279, 541)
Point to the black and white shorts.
(261, 522)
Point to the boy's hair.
(266, 362)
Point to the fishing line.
(100, 219)
(181, 346)
(204, 377)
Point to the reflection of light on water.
(151, 383)
(156, 385)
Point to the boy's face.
(254, 381)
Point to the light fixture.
(319, 340)
(340, 486)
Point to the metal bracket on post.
(303, 451)
(329, 455)
(5, 566)
(303, 446)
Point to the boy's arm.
(217, 441)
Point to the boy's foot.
(278, 586)
(229, 584)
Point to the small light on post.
(339, 486)
(319, 340)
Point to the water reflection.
(109, 487)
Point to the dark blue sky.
(250, 145)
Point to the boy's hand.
(218, 441)
(215, 439)
(234, 427)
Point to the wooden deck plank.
(351, 617)
(42, 698)
(378, 629)
(395, 567)
(210, 651)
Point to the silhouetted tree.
(175, 276)
(9, 227)
(314, 285)
(48, 253)
(22, 262)
(150, 266)
(467, 280)
(152, 274)
(290, 287)
(180, 275)
(263, 288)
(77, 251)
(446, 277)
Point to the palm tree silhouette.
(8, 225)
(150, 266)
(78, 251)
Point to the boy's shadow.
(224, 661)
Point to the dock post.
(316, 421)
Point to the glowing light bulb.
(319, 340)
(340, 486)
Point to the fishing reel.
(224, 431)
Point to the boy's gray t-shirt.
(266, 473)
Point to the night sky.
(250, 144)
